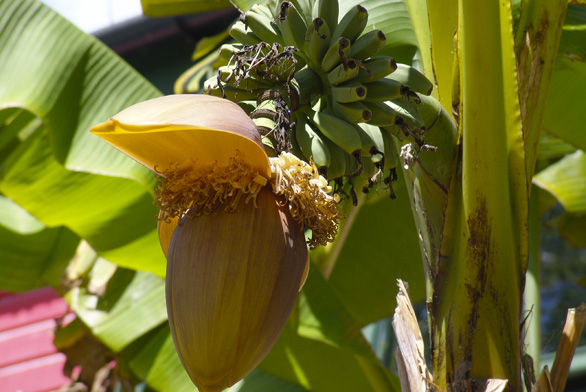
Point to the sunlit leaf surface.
(52, 166)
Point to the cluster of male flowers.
(231, 225)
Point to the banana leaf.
(66, 81)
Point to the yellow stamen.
(201, 189)
(306, 193)
(197, 190)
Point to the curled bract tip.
(184, 128)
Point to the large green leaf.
(15, 125)
(443, 22)
(566, 179)
(261, 381)
(393, 19)
(418, 11)
(323, 349)
(33, 255)
(57, 170)
(381, 247)
(158, 364)
(537, 37)
(551, 149)
(120, 306)
(319, 366)
(565, 115)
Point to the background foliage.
(77, 215)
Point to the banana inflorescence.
(314, 85)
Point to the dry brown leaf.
(567, 347)
(543, 383)
(413, 372)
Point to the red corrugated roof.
(28, 360)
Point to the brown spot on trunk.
(477, 259)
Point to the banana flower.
(231, 225)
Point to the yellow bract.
(169, 131)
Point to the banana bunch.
(345, 105)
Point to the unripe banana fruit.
(349, 83)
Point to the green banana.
(274, 7)
(229, 75)
(352, 24)
(268, 144)
(227, 50)
(391, 156)
(339, 161)
(375, 134)
(295, 149)
(338, 51)
(292, 25)
(192, 80)
(279, 71)
(411, 77)
(381, 114)
(328, 11)
(441, 134)
(317, 40)
(265, 124)
(391, 161)
(376, 68)
(384, 90)
(305, 82)
(311, 143)
(305, 8)
(371, 171)
(211, 87)
(407, 111)
(368, 44)
(350, 91)
(263, 10)
(366, 141)
(361, 87)
(262, 25)
(265, 107)
(247, 106)
(353, 112)
(339, 131)
(244, 36)
(343, 72)
(383, 157)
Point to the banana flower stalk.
(231, 225)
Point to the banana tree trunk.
(470, 197)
